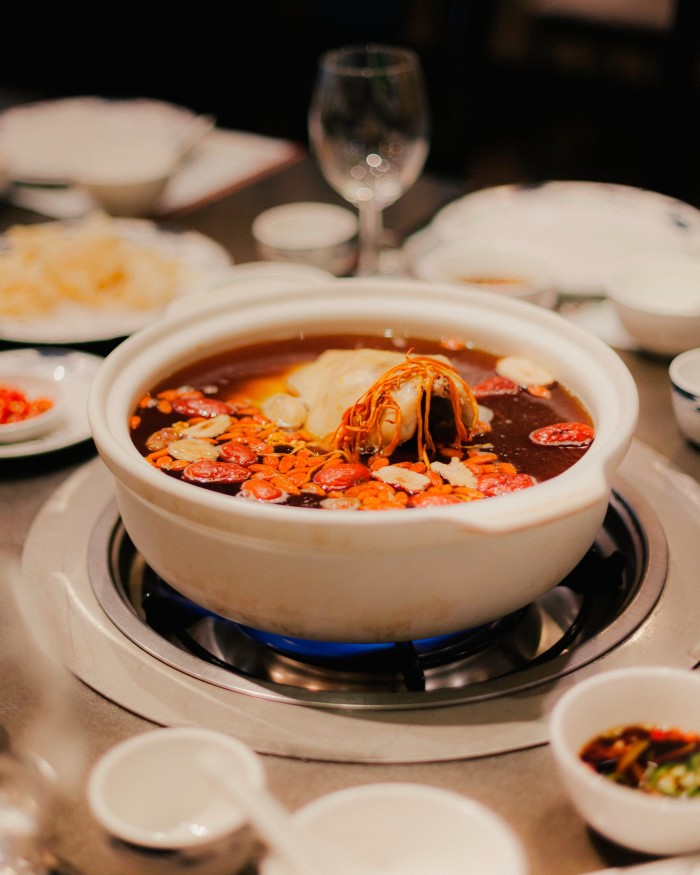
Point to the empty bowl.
(323, 235)
(411, 829)
(127, 177)
(500, 270)
(30, 406)
(684, 374)
(659, 698)
(151, 794)
(658, 302)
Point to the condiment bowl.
(393, 575)
(660, 696)
(155, 801)
(501, 270)
(657, 299)
(32, 388)
(404, 828)
(684, 374)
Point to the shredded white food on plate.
(87, 263)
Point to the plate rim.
(12, 330)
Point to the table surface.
(555, 838)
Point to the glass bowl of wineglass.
(369, 125)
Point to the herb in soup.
(362, 423)
(655, 759)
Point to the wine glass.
(368, 128)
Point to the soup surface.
(441, 423)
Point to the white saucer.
(74, 371)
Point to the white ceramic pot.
(368, 576)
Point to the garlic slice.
(209, 428)
(404, 478)
(455, 473)
(192, 449)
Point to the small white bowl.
(127, 198)
(32, 387)
(151, 793)
(408, 829)
(658, 303)
(490, 268)
(318, 234)
(640, 821)
(684, 373)
(129, 180)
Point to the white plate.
(74, 371)
(47, 141)
(587, 229)
(70, 324)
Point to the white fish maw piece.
(192, 449)
(404, 478)
(287, 411)
(335, 381)
(523, 371)
(455, 473)
(209, 428)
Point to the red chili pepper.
(495, 386)
(563, 434)
(211, 471)
(342, 476)
(15, 406)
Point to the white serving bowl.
(33, 386)
(658, 302)
(151, 793)
(500, 270)
(684, 374)
(402, 829)
(384, 576)
(657, 695)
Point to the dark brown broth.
(235, 373)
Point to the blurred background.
(520, 90)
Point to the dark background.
(514, 96)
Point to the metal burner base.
(56, 597)
(605, 598)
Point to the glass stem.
(370, 233)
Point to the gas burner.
(643, 610)
(597, 606)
